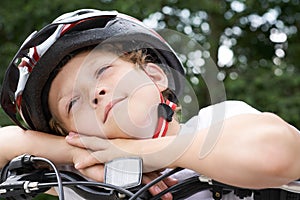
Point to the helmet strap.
(165, 112)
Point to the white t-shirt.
(206, 117)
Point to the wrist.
(157, 153)
(52, 147)
(166, 152)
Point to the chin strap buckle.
(165, 111)
(165, 115)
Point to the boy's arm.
(15, 141)
(252, 151)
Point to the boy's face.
(97, 93)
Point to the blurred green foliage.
(262, 72)
(262, 35)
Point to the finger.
(74, 140)
(170, 181)
(158, 187)
(95, 172)
(90, 160)
(88, 142)
(94, 143)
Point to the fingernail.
(68, 137)
(72, 134)
(77, 166)
(157, 189)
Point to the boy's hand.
(90, 164)
(98, 150)
(105, 150)
(160, 186)
(95, 172)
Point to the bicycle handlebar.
(24, 177)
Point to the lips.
(109, 106)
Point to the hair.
(138, 57)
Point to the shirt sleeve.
(221, 111)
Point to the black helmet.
(27, 74)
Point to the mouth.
(109, 106)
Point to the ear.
(157, 75)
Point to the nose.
(97, 96)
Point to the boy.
(116, 90)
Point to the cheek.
(137, 116)
(143, 100)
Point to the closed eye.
(71, 103)
(100, 71)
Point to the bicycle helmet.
(27, 74)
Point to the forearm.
(251, 151)
(15, 141)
